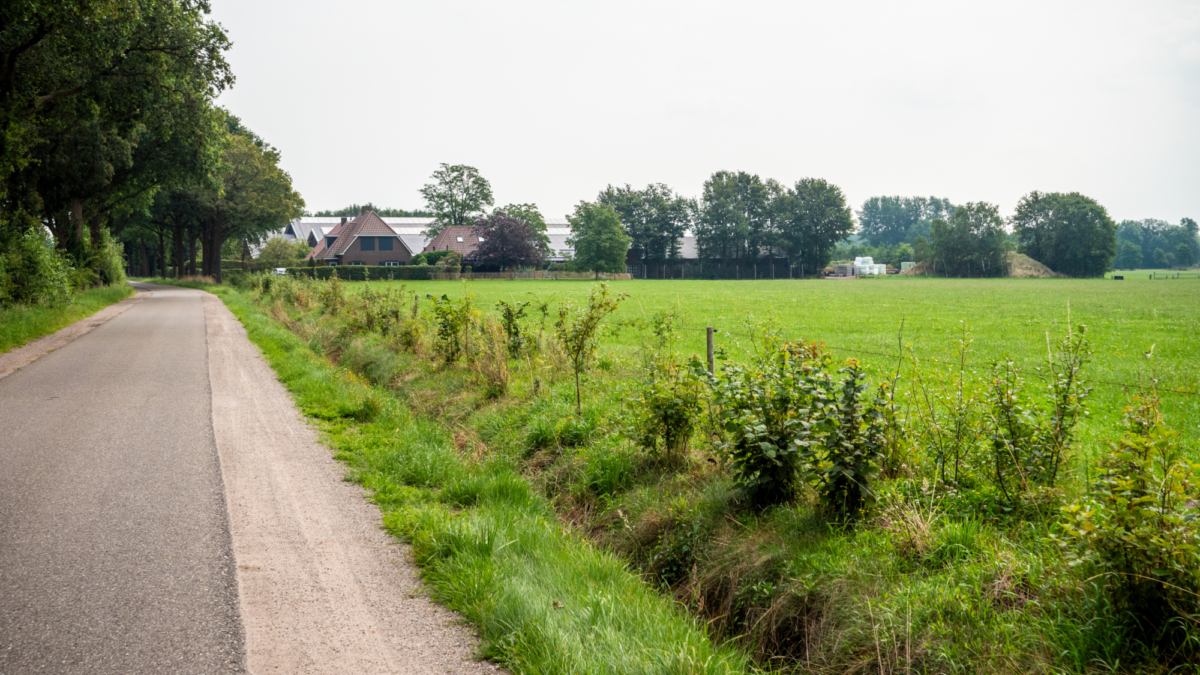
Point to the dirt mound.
(1022, 266)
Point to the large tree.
(812, 218)
(600, 241)
(655, 217)
(355, 209)
(1151, 235)
(457, 195)
(970, 243)
(1069, 233)
(507, 243)
(889, 221)
(734, 220)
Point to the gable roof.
(448, 239)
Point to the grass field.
(1125, 320)
(19, 325)
(938, 577)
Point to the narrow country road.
(164, 509)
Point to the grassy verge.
(490, 546)
(19, 325)
(940, 578)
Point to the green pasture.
(862, 319)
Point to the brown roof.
(448, 239)
(367, 224)
(318, 252)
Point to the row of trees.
(110, 132)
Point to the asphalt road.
(115, 551)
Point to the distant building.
(365, 240)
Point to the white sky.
(552, 101)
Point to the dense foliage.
(891, 221)
(970, 243)
(600, 242)
(1069, 233)
(456, 196)
(508, 243)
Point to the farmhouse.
(365, 240)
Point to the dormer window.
(459, 239)
(481, 239)
(329, 241)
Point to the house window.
(630, 269)
(366, 243)
(331, 263)
(391, 263)
(385, 243)
(459, 239)
(357, 262)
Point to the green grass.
(862, 319)
(944, 585)
(19, 325)
(544, 600)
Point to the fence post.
(710, 350)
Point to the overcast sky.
(552, 101)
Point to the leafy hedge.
(367, 272)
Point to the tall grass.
(20, 324)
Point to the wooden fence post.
(710, 350)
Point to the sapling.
(578, 330)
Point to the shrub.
(766, 411)
(666, 411)
(333, 296)
(454, 319)
(1141, 526)
(510, 316)
(33, 273)
(851, 442)
(1030, 444)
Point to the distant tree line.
(355, 209)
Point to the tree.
(255, 196)
(734, 216)
(1069, 233)
(279, 252)
(531, 216)
(457, 195)
(888, 221)
(1129, 256)
(355, 209)
(969, 243)
(813, 218)
(1183, 255)
(655, 218)
(600, 242)
(507, 243)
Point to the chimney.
(343, 220)
(365, 209)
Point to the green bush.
(851, 442)
(33, 273)
(1140, 529)
(454, 319)
(767, 410)
(511, 315)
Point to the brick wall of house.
(355, 253)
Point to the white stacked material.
(868, 269)
(867, 260)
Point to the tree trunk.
(178, 237)
(162, 255)
(192, 252)
(77, 216)
(145, 259)
(94, 227)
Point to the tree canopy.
(655, 218)
(508, 243)
(532, 217)
(734, 216)
(457, 195)
(889, 221)
(1150, 236)
(970, 243)
(600, 241)
(355, 209)
(812, 218)
(1069, 233)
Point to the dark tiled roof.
(319, 252)
(447, 239)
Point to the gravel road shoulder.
(322, 588)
